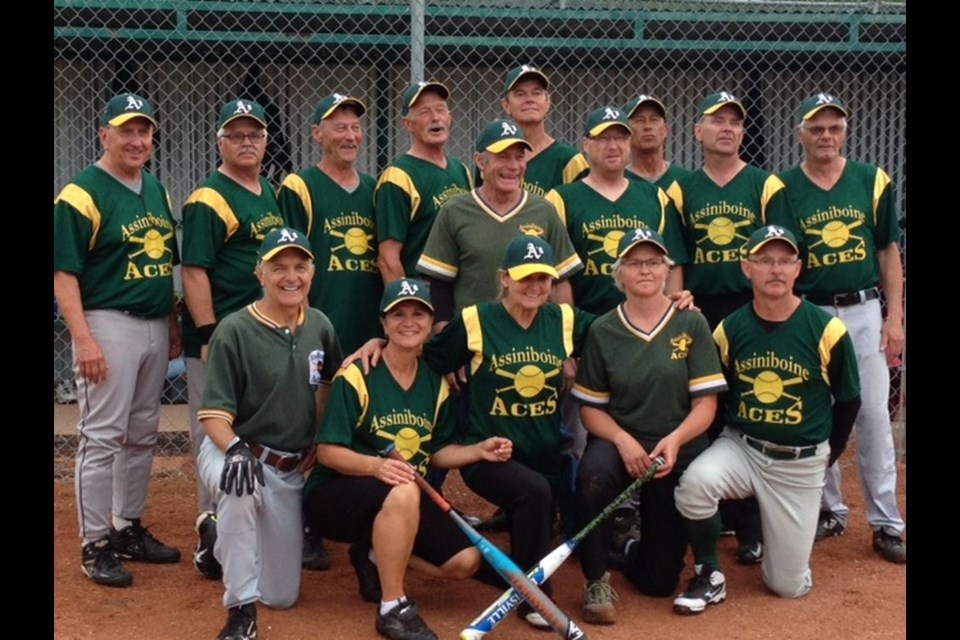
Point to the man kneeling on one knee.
(794, 394)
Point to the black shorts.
(343, 508)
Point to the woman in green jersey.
(647, 386)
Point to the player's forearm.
(454, 456)
(844, 414)
(346, 461)
(702, 411)
(198, 296)
(599, 423)
(388, 261)
(891, 277)
(219, 431)
(674, 280)
(66, 288)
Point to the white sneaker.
(708, 586)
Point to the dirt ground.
(856, 594)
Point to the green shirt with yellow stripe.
(223, 226)
(121, 245)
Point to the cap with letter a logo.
(241, 108)
(812, 105)
(525, 71)
(500, 135)
(327, 106)
(641, 100)
(633, 237)
(127, 106)
(603, 118)
(526, 255)
(280, 238)
(770, 233)
(415, 90)
(405, 289)
(716, 101)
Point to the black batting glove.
(240, 470)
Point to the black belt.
(279, 462)
(779, 451)
(845, 299)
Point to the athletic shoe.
(403, 622)
(241, 623)
(203, 558)
(828, 525)
(598, 599)
(315, 556)
(532, 616)
(626, 527)
(136, 543)
(708, 586)
(750, 553)
(367, 574)
(890, 546)
(497, 522)
(65, 393)
(99, 562)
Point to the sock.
(121, 523)
(389, 605)
(703, 536)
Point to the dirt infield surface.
(856, 594)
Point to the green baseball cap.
(603, 118)
(526, 255)
(633, 237)
(415, 90)
(641, 100)
(127, 106)
(405, 289)
(812, 105)
(331, 103)
(500, 134)
(524, 71)
(241, 108)
(716, 101)
(280, 238)
(770, 233)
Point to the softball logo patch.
(532, 376)
(768, 398)
(681, 346)
(352, 244)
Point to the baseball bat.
(508, 601)
(502, 563)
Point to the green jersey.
(408, 196)
(672, 174)
(717, 222)
(646, 380)
(558, 164)
(223, 226)
(516, 375)
(784, 376)
(367, 413)
(596, 224)
(467, 240)
(120, 244)
(263, 379)
(342, 232)
(841, 229)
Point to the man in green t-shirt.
(268, 371)
(648, 120)
(794, 393)
(846, 215)
(113, 258)
(332, 203)
(413, 187)
(224, 222)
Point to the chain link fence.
(191, 56)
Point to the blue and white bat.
(503, 565)
(508, 601)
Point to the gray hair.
(618, 265)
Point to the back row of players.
(425, 217)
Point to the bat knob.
(659, 460)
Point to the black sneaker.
(626, 527)
(403, 622)
(203, 558)
(890, 546)
(707, 587)
(497, 522)
(100, 564)
(367, 574)
(828, 526)
(315, 556)
(241, 623)
(136, 543)
(750, 553)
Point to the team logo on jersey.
(611, 114)
(531, 230)
(151, 243)
(260, 228)
(767, 397)
(726, 232)
(353, 247)
(242, 108)
(316, 358)
(409, 439)
(133, 104)
(530, 373)
(507, 130)
(533, 252)
(681, 346)
(830, 243)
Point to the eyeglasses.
(834, 130)
(240, 138)
(767, 263)
(652, 263)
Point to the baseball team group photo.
(405, 332)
